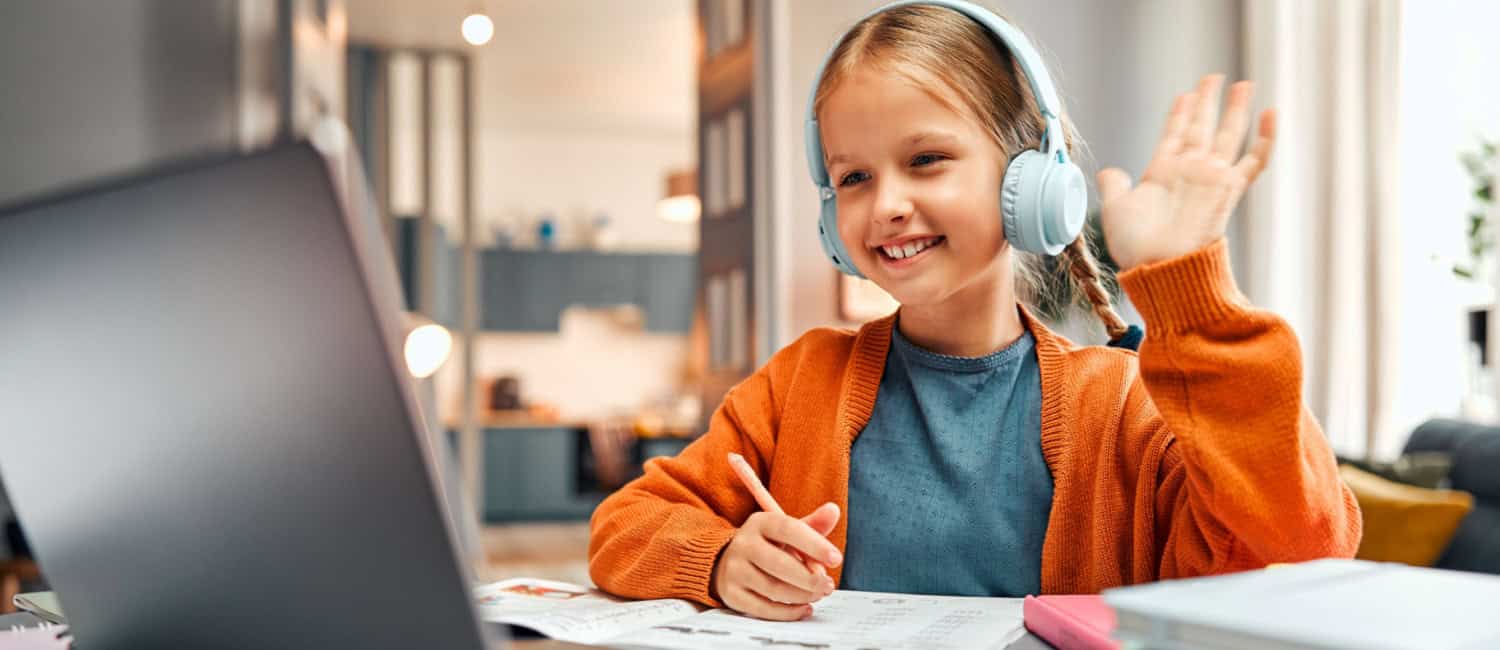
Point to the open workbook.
(845, 619)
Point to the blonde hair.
(925, 42)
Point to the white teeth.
(909, 249)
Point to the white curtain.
(1319, 231)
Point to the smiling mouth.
(909, 250)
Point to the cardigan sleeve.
(1249, 478)
(660, 535)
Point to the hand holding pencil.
(775, 565)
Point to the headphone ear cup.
(1042, 203)
(1065, 197)
(828, 233)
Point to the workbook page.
(572, 613)
(854, 620)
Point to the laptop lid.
(207, 428)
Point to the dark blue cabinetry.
(527, 290)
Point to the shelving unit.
(524, 290)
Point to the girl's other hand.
(1195, 179)
(762, 571)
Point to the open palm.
(1195, 178)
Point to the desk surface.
(1027, 642)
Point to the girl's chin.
(913, 294)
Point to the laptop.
(206, 424)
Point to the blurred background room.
(602, 217)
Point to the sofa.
(1475, 453)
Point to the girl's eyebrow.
(930, 137)
(920, 137)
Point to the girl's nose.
(892, 204)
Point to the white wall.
(577, 174)
(593, 368)
(579, 107)
(582, 108)
(1449, 98)
(1117, 66)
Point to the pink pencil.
(752, 483)
(767, 502)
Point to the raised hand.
(1195, 179)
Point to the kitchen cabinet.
(527, 290)
(544, 473)
(532, 474)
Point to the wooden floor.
(554, 551)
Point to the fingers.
(1177, 122)
(1254, 161)
(1236, 117)
(784, 566)
(798, 535)
(1113, 182)
(753, 604)
(1206, 115)
(1171, 137)
(824, 519)
(782, 591)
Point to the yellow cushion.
(1404, 523)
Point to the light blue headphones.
(1043, 198)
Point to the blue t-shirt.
(948, 489)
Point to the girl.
(974, 451)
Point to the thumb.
(1112, 183)
(823, 519)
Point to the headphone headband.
(1020, 47)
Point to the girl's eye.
(852, 178)
(922, 160)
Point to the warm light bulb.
(679, 209)
(478, 29)
(427, 347)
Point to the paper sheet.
(43, 637)
(571, 613)
(852, 620)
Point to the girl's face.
(918, 186)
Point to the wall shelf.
(527, 290)
(523, 290)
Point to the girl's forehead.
(864, 85)
(891, 102)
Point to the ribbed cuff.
(695, 571)
(1184, 292)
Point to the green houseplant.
(1481, 237)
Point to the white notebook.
(43, 637)
(845, 619)
(1321, 604)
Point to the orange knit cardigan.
(1194, 457)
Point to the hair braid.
(1086, 277)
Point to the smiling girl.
(972, 450)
